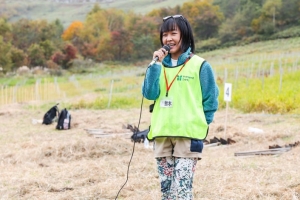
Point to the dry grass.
(39, 162)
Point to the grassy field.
(49, 10)
(39, 162)
(117, 87)
(264, 75)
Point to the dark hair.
(186, 37)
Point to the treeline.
(114, 35)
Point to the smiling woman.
(186, 97)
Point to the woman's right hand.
(161, 54)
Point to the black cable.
(134, 137)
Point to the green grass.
(264, 75)
(269, 97)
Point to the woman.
(186, 98)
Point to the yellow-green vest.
(186, 116)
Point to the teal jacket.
(210, 91)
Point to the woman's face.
(172, 38)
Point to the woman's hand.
(161, 54)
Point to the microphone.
(167, 48)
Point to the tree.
(18, 57)
(73, 31)
(95, 34)
(228, 7)
(5, 30)
(163, 12)
(266, 22)
(289, 13)
(143, 25)
(95, 27)
(104, 51)
(115, 19)
(48, 48)
(271, 9)
(58, 29)
(36, 55)
(95, 9)
(65, 57)
(88, 50)
(58, 57)
(206, 25)
(121, 45)
(143, 47)
(227, 32)
(24, 34)
(204, 17)
(144, 34)
(70, 52)
(5, 59)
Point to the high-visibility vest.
(180, 114)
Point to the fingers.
(165, 52)
(161, 54)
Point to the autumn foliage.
(72, 31)
(115, 35)
(65, 57)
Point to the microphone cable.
(167, 48)
(134, 136)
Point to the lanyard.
(168, 87)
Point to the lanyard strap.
(168, 87)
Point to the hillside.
(70, 10)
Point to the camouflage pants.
(176, 177)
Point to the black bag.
(139, 136)
(64, 120)
(51, 115)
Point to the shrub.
(36, 55)
(290, 32)
(51, 65)
(208, 45)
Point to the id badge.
(166, 103)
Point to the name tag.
(166, 103)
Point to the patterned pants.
(176, 177)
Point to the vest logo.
(184, 78)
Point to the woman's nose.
(169, 37)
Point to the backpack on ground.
(64, 120)
(51, 115)
(139, 136)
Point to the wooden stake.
(281, 74)
(264, 152)
(6, 95)
(225, 129)
(110, 93)
(2, 95)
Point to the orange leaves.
(72, 31)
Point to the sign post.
(227, 98)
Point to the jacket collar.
(182, 58)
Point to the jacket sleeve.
(150, 88)
(210, 91)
